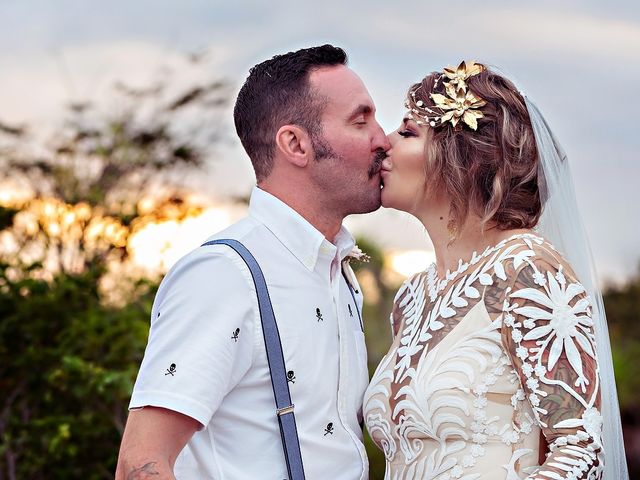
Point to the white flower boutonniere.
(357, 254)
(350, 277)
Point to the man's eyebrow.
(360, 110)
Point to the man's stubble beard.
(367, 201)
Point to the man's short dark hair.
(276, 93)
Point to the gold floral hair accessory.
(458, 105)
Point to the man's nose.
(381, 141)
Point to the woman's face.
(403, 172)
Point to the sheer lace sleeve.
(548, 332)
(409, 301)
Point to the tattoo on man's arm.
(145, 471)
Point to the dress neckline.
(436, 285)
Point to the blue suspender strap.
(284, 407)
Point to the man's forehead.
(340, 85)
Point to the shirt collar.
(301, 238)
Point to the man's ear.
(294, 145)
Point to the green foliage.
(67, 367)
(376, 458)
(622, 304)
(626, 358)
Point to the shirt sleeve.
(201, 337)
(548, 332)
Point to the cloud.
(510, 31)
(36, 87)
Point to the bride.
(500, 366)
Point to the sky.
(579, 60)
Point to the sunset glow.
(406, 263)
(158, 245)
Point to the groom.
(203, 404)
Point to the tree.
(69, 353)
(87, 181)
(67, 371)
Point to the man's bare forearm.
(152, 440)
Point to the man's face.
(350, 175)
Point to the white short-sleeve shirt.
(206, 358)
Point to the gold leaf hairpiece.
(458, 105)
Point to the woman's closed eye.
(406, 133)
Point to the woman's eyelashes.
(406, 133)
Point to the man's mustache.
(376, 165)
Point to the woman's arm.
(548, 332)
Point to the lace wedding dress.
(487, 367)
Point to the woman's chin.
(386, 199)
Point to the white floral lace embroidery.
(560, 325)
(425, 436)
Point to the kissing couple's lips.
(376, 165)
(385, 166)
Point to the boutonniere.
(358, 255)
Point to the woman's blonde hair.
(491, 172)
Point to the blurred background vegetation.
(74, 307)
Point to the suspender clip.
(285, 410)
